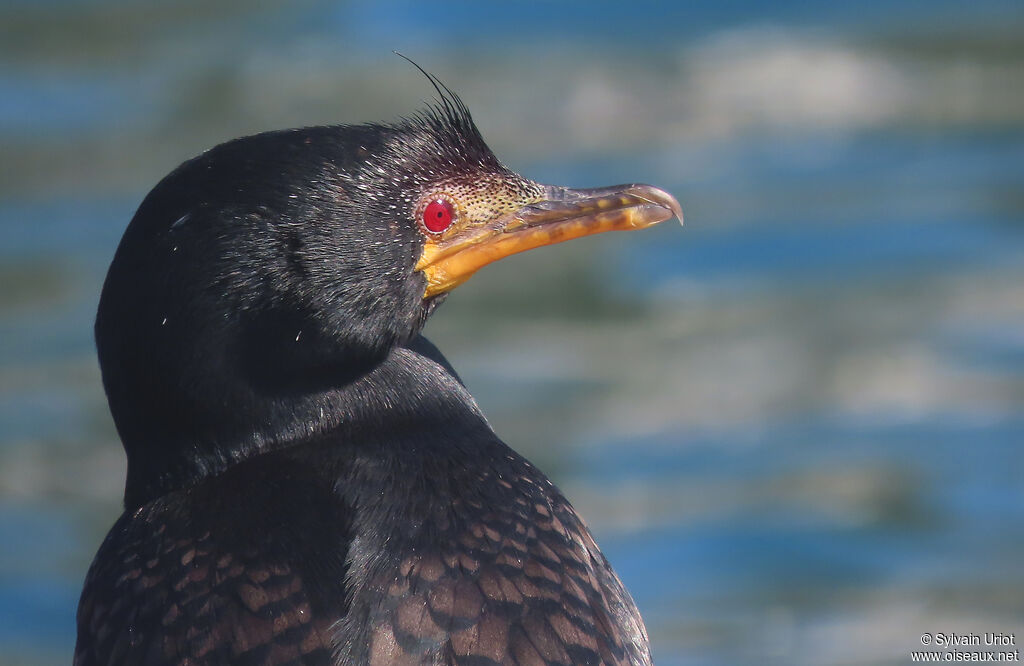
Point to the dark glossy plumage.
(309, 482)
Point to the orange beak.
(562, 214)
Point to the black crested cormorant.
(309, 482)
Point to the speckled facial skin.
(479, 201)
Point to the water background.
(794, 425)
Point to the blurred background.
(794, 425)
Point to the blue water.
(794, 424)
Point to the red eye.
(438, 215)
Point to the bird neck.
(411, 395)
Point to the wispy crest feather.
(450, 118)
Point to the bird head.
(293, 262)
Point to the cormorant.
(309, 482)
